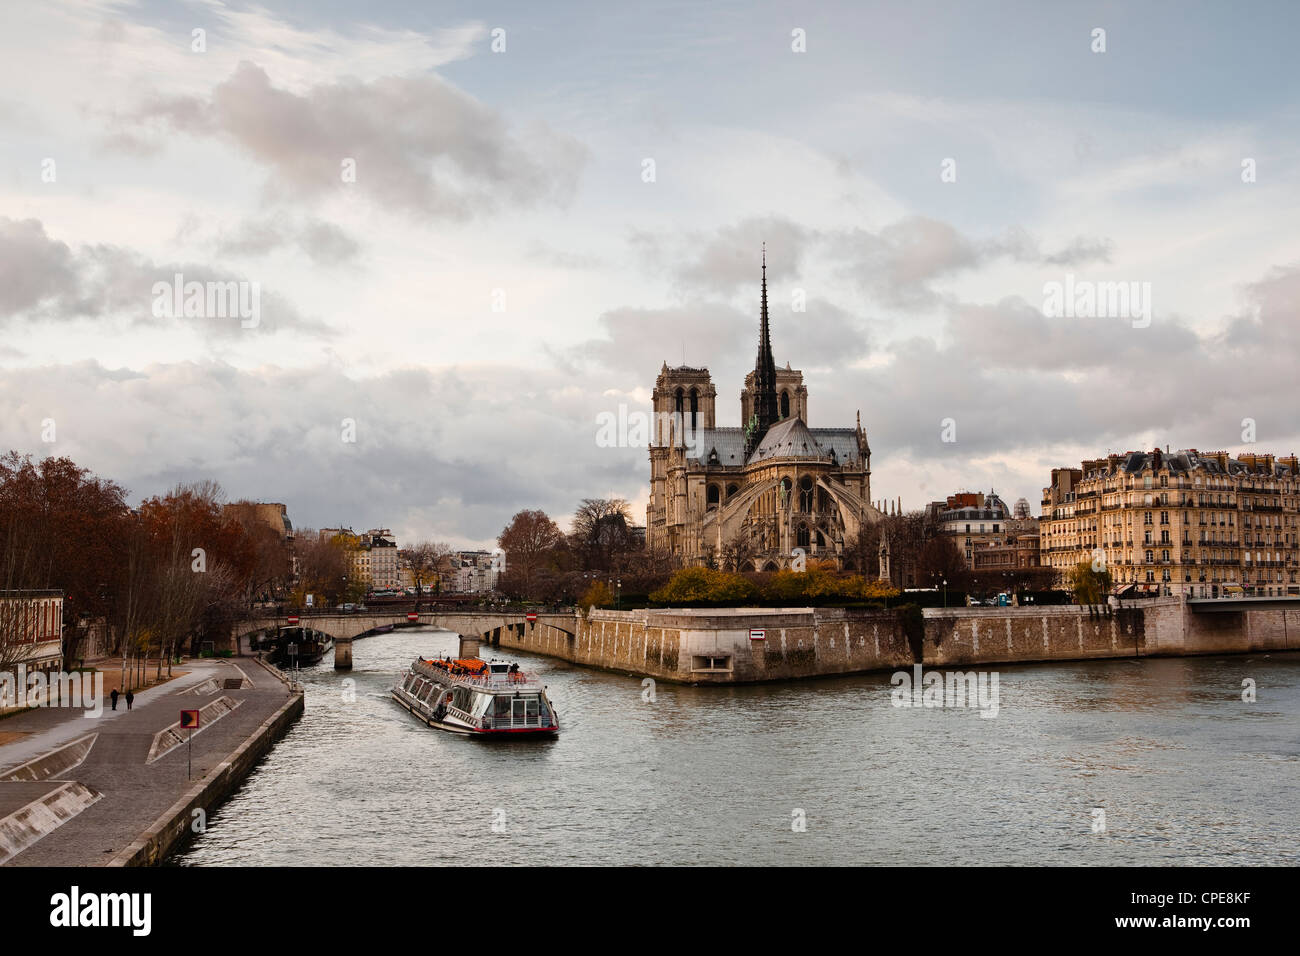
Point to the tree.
(597, 595)
(203, 560)
(738, 553)
(602, 534)
(323, 566)
(60, 528)
(705, 585)
(940, 560)
(1089, 586)
(427, 560)
(270, 566)
(529, 541)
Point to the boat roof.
(483, 675)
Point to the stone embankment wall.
(1162, 627)
(715, 646)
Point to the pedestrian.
(130, 698)
(114, 696)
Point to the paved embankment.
(125, 809)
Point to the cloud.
(444, 453)
(45, 280)
(637, 340)
(729, 259)
(420, 146)
(1017, 383)
(325, 243)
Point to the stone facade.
(1206, 525)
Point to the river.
(815, 772)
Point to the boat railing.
(510, 722)
(519, 679)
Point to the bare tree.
(602, 533)
(427, 561)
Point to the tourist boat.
(478, 698)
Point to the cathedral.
(756, 496)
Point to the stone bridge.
(474, 627)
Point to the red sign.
(190, 719)
(412, 616)
(758, 634)
(293, 618)
(530, 617)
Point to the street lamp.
(945, 594)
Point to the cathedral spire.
(765, 401)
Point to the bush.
(705, 585)
(598, 595)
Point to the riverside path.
(116, 789)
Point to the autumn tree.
(530, 542)
(323, 566)
(428, 560)
(270, 563)
(1090, 585)
(60, 527)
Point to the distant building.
(272, 514)
(472, 572)
(1018, 551)
(382, 547)
(1205, 525)
(31, 630)
(978, 522)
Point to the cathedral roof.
(788, 439)
(729, 444)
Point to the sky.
(471, 230)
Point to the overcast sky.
(517, 178)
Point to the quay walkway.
(113, 790)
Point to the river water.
(815, 772)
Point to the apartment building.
(1206, 525)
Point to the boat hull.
(465, 730)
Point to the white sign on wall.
(757, 634)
